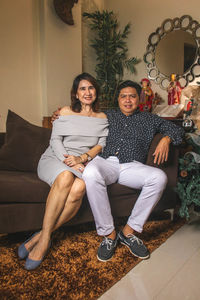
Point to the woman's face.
(86, 92)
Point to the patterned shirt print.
(130, 137)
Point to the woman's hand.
(79, 167)
(162, 150)
(71, 160)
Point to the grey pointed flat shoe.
(22, 251)
(31, 264)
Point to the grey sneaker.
(106, 249)
(134, 244)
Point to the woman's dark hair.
(128, 83)
(75, 103)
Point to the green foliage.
(188, 186)
(110, 45)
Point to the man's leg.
(152, 182)
(97, 175)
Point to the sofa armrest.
(2, 138)
(171, 166)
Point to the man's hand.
(162, 150)
(71, 160)
(56, 114)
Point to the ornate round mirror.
(174, 48)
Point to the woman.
(78, 135)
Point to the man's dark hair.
(128, 83)
(75, 103)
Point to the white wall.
(39, 57)
(19, 55)
(61, 56)
(145, 17)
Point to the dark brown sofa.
(23, 195)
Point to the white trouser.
(101, 172)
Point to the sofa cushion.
(2, 138)
(22, 187)
(24, 144)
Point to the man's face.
(128, 100)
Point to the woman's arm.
(56, 141)
(90, 154)
(72, 160)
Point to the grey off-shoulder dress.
(73, 135)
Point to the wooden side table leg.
(46, 122)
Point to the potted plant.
(110, 45)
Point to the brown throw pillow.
(24, 144)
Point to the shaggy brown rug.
(71, 270)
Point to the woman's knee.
(64, 180)
(77, 191)
(75, 200)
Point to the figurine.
(146, 96)
(188, 123)
(191, 97)
(174, 90)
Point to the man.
(122, 160)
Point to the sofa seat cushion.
(118, 190)
(122, 199)
(22, 187)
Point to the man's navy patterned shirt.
(130, 137)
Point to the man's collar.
(134, 112)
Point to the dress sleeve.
(168, 128)
(102, 141)
(56, 143)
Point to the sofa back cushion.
(2, 138)
(24, 144)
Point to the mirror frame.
(185, 23)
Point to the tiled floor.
(172, 272)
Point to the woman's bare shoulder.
(65, 111)
(101, 115)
